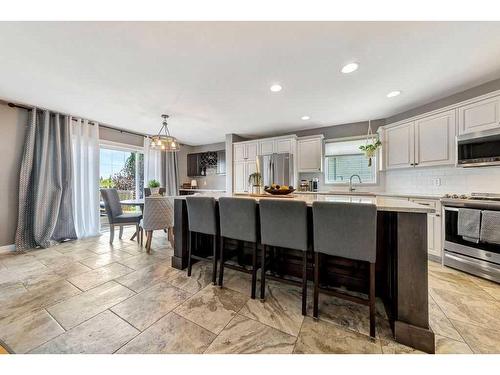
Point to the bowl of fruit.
(275, 189)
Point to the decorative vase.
(155, 191)
(256, 189)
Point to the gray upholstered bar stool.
(202, 218)
(346, 230)
(238, 221)
(283, 223)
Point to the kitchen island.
(401, 266)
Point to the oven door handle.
(451, 209)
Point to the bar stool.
(346, 230)
(238, 221)
(202, 218)
(283, 223)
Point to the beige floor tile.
(91, 279)
(171, 334)
(239, 281)
(212, 307)
(101, 260)
(76, 310)
(468, 308)
(323, 337)
(137, 262)
(201, 276)
(445, 345)
(56, 261)
(11, 292)
(455, 282)
(29, 331)
(493, 289)
(147, 307)
(147, 276)
(244, 335)
(440, 324)
(479, 339)
(69, 270)
(281, 310)
(38, 298)
(104, 333)
(351, 315)
(392, 347)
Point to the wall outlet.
(436, 181)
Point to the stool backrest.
(238, 218)
(347, 230)
(158, 213)
(283, 223)
(111, 203)
(202, 217)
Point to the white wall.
(452, 180)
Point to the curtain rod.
(75, 118)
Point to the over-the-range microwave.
(479, 149)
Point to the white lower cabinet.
(434, 227)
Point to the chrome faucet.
(351, 189)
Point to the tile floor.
(90, 297)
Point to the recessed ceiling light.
(394, 93)
(349, 68)
(276, 88)
(305, 118)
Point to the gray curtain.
(45, 183)
(170, 177)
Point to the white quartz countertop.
(366, 193)
(207, 190)
(382, 203)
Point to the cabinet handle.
(438, 215)
(412, 164)
(416, 163)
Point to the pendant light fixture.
(163, 140)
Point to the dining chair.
(158, 215)
(115, 214)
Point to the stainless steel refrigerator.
(276, 169)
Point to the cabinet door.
(221, 162)
(310, 154)
(266, 147)
(284, 146)
(238, 152)
(251, 168)
(240, 178)
(192, 165)
(399, 146)
(435, 140)
(251, 151)
(434, 234)
(482, 115)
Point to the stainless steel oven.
(481, 259)
(479, 149)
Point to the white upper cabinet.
(245, 151)
(240, 177)
(400, 146)
(482, 115)
(266, 147)
(310, 154)
(435, 140)
(284, 146)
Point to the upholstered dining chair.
(158, 215)
(115, 214)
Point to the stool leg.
(316, 285)
(254, 270)
(263, 274)
(120, 234)
(111, 233)
(304, 284)
(190, 246)
(372, 300)
(221, 272)
(214, 272)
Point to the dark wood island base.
(401, 269)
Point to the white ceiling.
(213, 78)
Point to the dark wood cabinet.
(193, 169)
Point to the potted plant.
(255, 181)
(370, 149)
(154, 185)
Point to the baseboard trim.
(7, 249)
(434, 258)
